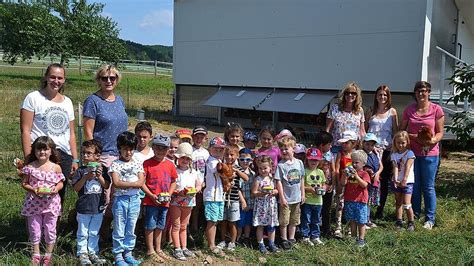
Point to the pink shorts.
(46, 223)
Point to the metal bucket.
(140, 116)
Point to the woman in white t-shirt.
(47, 112)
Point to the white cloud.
(162, 18)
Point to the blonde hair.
(400, 135)
(231, 148)
(287, 141)
(107, 69)
(357, 107)
(359, 155)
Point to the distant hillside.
(136, 51)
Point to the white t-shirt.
(50, 119)
(140, 157)
(128, 172)
(200, 157)
(213, 190)
(401, 160)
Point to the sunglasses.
(107, 78)
(350, 93)
(245, 160)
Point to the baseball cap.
(300, 148)
(348, 135)
(283, 133)
(371, 137)
(184, 150)
(161, 140)
(314, 154)
(250, 136)
(217, 142)
(199, 130)
(183, 133)
(327, 156)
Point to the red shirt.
(158, 178)
(354, 192)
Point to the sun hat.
(183, 133)
(314, 154)
(184, 150)
(161, 140)
(371, 137)
(283, 133)
(348, 135)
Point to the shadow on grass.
(457, 185)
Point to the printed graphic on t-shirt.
(200, 164)
(293, 177)
(55, 121)
(92, 187)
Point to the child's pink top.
(35, 205)
(416, 122)
(273, 152)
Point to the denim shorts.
(232, 211)
(404, 190)
(214, 210)
(245, 218)
(155, 217)
(355, 211)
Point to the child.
(300, 152)
(144, 132)
(184, 135)
(233, 134)
(160, 183)
(356, 196)
(250, 140)
(323, 141)
(314, 184)
(289, 175)
(266, 146)
(213, 193)
(265, 211)
(42, 179)
(232, 199)
(343, 160)
(403, 178)
(182, 201)
(127, 179)
(172, 147)
(246, 210)
(89, 181)
(374, 168)
(200, 156)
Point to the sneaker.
(360, 243)
(178, 254)
(411, 227)
(96, 259)
(231, 246)
(428, 225)
(262, 248)
(292, 242)
(338, 233)
(221, 245)
(317, 241)
(399, 225)
(120, 262)
(36, 259)
(47, 259)
(273, 248)
(130, 260)
(84, 259)
(285, 244)
(188, 253)
(306, 241)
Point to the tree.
(62, 28)
(463, 82)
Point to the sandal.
(217, 251)
(163, 255)
(155, 258)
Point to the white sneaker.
(317, 241)
(338, 233)
(428, 225)
(221, 245)
(231, 246)
(306, 241)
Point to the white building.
(285, 60)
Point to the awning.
(297, 101)
(238, 97)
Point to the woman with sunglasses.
(48, 112)
(424, 122)
(347, 115)
(104, 118)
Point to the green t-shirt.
(314, 177)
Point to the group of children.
(285, 186)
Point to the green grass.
(450, 242)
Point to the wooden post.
(80, 65)
(156, 68)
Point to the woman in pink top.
(419, 115)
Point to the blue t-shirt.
(373, 161)
(91, 197)
(110, 120)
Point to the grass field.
(450, 242)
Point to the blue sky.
(142, 21)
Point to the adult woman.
(419, 116)
(47, 112)
(383, 122)
(347, 115)
(104, 119)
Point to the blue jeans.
(425, 174)
(310, 220)
(88, 226)
(125, 210)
